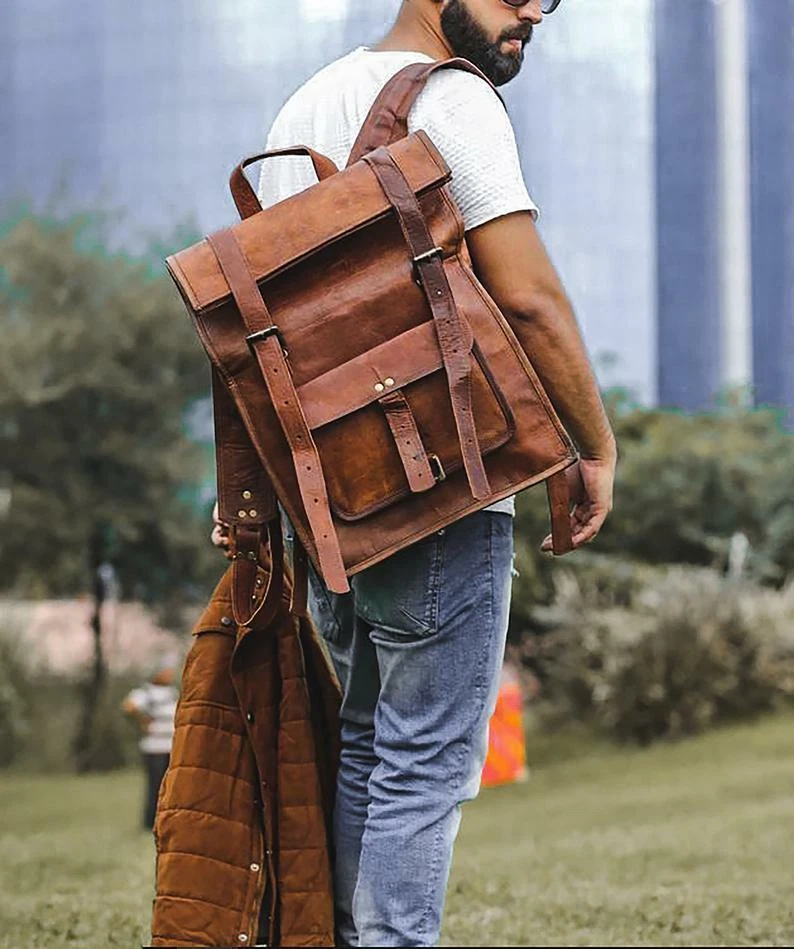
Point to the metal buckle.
(423, 258)
(437, 468)
(257, 337)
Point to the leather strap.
(388, 118)
(244, 196)
(409, 442)
(270, 356)
(245, 493)
(560, 506)
(430, 269)
(246, 502)
(248, 549)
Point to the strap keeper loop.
(253, 338)
(433, 253)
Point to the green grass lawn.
(674, 846)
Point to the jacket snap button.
(242, 937)
(226, 621)
(249, 717)
(255, 867)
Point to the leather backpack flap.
(304, 225)
(383, 421)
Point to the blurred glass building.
(583, 112)
(686, 192)
(771, 39)
(146, 107)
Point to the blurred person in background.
(153, 706)
(418, 643)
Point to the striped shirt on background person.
(159, 703)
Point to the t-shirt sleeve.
(471, 128)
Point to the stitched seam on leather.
(458, 217)
(177, 266)
(340, 235)
(501, 399)
(530, 371)
(433, 154)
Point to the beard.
(469, 40)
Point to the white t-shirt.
(159, 703)
(461, 114)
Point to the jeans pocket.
(399, 597)
(321, 608)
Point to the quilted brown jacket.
(243, 822)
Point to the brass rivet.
(389, 381)
(242, 514)
(247, 495)
(379, 387)
(252, 512)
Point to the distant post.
(733, 164)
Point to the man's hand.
(220, 533)
(591, 483)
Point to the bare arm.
(130, 708)
(510, 260)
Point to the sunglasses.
(546, 6)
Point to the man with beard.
(418, 643)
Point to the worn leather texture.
(244, 812)
(333, 270)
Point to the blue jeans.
(418, 646)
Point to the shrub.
(14, 713)
(689, 650)
(686, 485)
(39, 712)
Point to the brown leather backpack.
(362, 376)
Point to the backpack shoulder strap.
(387, 120)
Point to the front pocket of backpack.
(363, 469)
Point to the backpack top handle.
(244, 196)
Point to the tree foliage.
(98, 365)
(686, 484)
